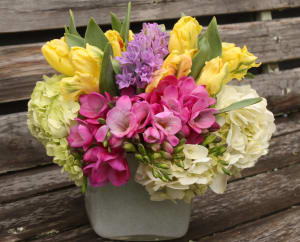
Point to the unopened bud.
(166, 155)
(179, 163)
(139, 157)
(146, 158)
(209, 139)
(156, 156)
(129, 147)
(168, 147)
(156, 173)
(227, 172)
(141, 149)
(224, 163)
(101, 120)
(155, 147)
(179, 156)
(178, 149)
(162, 165)
(105, 143)
(182, 141)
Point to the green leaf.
(116, 66)
(72, 27)
(125, 26)
(115, 22)
(95, 36)
(74, 40)
(107, 82)
(209, 47)
(240, 104)
(250, 75)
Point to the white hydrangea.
(247, 131)
(188, 182)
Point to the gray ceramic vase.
(127, 213)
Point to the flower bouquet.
(147, 117)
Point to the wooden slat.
(246, 199)
(277, 40)
(27, 183)
(284, 226)
(18, 149)
(36, 15)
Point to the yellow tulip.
(213, 75)
(175, 64)
(239, 60)
(80, 83)
(184, 35)
(86, 60)
(116, 42)
(56, 52)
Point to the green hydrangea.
(49, 119)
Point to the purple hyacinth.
(144, 55)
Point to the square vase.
(127, 213)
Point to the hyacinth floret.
(144, 55)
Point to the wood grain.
(32, 182)
(22, 66)
(245, 200)
(37, 15)
(283, 226)
(19, 150)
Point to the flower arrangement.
(161, 97)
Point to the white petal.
(219, 184)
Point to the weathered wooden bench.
(37, 203)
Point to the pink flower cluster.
(101, 166)
(174, 107)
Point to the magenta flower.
(120, 120)
(101, 133)
(93, 105)
(103, 167)
(142, 111)
(152, 135)
(80, 136)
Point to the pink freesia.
(167, 122)
(202, 119)
(120, 120)
(93, 105)
(151, 135)
(101, 133)
(142, 112)
(103, 167)
(80, 136)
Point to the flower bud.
(129, 147)
(168, 147)
(166, 155)
(139, 157)
(141, 149)
(209, 139)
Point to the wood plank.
(246, 199)
(19, 150)
(32, 182)
(37, 15)
(283, 226)
(22, 65)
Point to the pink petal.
(121, 123)
(101, 133)
(117, 164)
(167, 122)
(142, 113)
(79, 136)
(202, 120)
(124, 103)
(118, 178)
(151, 135)
(92, 105)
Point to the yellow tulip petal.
(116, 41)
(213, 75)
(56, 52)
(80, 83)
(184, 35)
